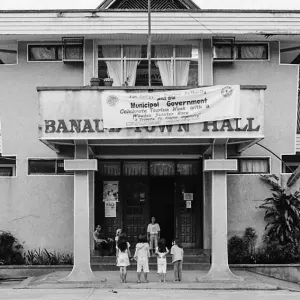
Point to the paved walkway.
(191, 281)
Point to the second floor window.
(171, 65)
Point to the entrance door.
(188, 216)
(135, 195)
(162, 206)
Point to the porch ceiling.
(150, 147)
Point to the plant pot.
(108, 83)
(95, 81)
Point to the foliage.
(273, 252)
(282, 213)
(10, 249)
(242, 249)
(44, 257)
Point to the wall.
(37, 209)
(279, 128)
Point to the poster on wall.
(110, 209)
(188, 204)
(110, 191)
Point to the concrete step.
(187, 259)
(152, 266)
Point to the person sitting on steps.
(102, 243)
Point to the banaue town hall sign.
(208, 112)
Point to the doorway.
(162, 206)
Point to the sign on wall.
(69, 115)
(110, 198)
(110, 209)
(110, 191)
(122, 110)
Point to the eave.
(195, 24)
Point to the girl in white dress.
(161, 252)
(123, 254)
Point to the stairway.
(194, 259)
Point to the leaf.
(294, 177)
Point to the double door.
(166, 200)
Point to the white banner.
(121, 109)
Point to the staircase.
(194, 259)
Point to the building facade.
(60, 163)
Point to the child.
(142, 255)
(118, 233)
(161, 252)
(123, 254)
(177, 258)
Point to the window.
(240, 51)
(49, 52)
(252, 165)
(290, 163)
(171, 65)
(162, 168)
(47, 167)
(109, 168)
(7, 166)
(135, 168)
(8, 53)
(73, 49)
(187, 168)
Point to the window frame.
(236, 49)
(17, 53)
(195, 44)
(56, 162)
(44, 45)
(13, 166)
(241, 158)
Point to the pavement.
(192, 280)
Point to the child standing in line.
(123, 254)
(118, 233)
(177, 258)
(161, 252)
(142, 255)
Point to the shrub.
(282, 213)
(10, 249)
(44, 257)
(241, 250)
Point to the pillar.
(82, 168)
(218, 165)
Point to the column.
(82, 167)
(219, 270)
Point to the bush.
(10, 250)
(273, 252)
(44, 257)
(241, 250)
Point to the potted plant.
(95, 81)
(108, 81)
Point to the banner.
(121, 109)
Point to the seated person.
(102, 243)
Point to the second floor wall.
(33, 68)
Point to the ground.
(126, 294)
(254, 286)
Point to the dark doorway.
(162, 206)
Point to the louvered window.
(143, 4)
